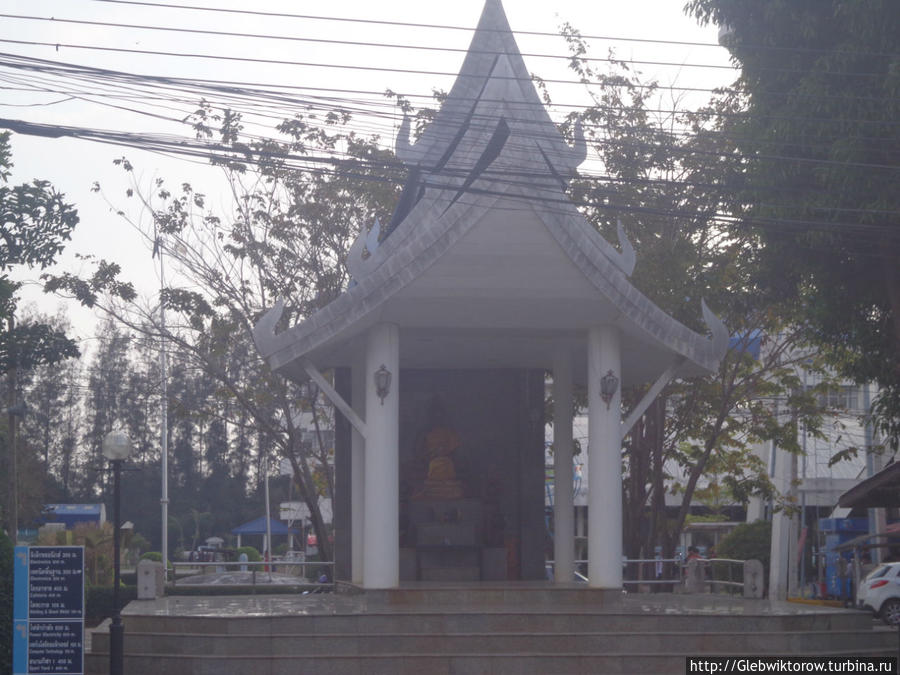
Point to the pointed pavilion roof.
(486, 262)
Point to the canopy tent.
(258, 527)
(74, 514)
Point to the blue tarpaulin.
(258, 526)
(747, 342)
(72, 514)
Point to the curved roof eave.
(423, 238)
(589, 251)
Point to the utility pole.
(795, 556)
(12, 412)
(877, 518)
(268, 547)
(164, 413)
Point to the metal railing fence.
(254, 569)
(720, 574)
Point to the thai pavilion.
(485, 279)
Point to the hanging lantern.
(382, 382)
(609, 384)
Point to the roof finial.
(402, 147)
(264, 331)
(628, 256)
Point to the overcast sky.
(74, 165)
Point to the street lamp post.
(116, 448)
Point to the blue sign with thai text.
(48, 610)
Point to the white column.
(563, 497)
(604, 462)
(779, 567)
(794, 535)
(756, 507)
(382, 530)
(357, 471)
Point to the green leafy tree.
(140, 416)
(35, 221)
(105, 405)
(819, 137)
(185, 409)
(45, 390)
(664, 176)
(70, 428)
(98, 549)
(50, 392)
(221, 494)
(286, 238)
(749, 541)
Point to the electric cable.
(285, 15)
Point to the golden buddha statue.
(440, 480)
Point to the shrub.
(749, 541)
(252, 554)
(98, 549)
(155, 556)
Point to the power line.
(311, 64)
(406, 24)
(168, 147)
(339, 167)
(35, 105)
(675, 150)
(616, 143)
(417, 47)
(357, 43)
(611, 38)
(827, 120)
(256, 89)
(410, 71)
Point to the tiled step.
(410, 632)
(487, 595)
(434, 619)
(572, 643)
(404, 664)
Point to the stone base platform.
(446, 629)
(507, 594)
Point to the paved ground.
(259, 578)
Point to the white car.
(879, 592)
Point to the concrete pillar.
(874, 464)
(563, 497)
(794, 559)
(357, 472)
(604, 462)
(756, 507)
(381, 539)
(779, 567)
